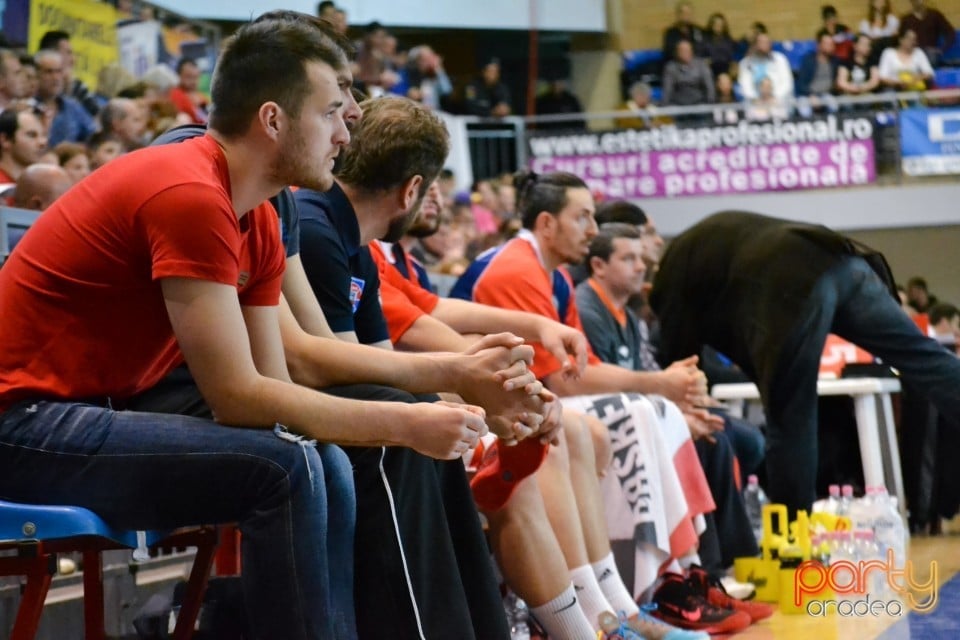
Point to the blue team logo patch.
(356, 292)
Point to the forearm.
(321, 362)
(606, 378)
(428, 333)
(265, 402)
(469, 317)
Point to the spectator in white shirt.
(764, 62)
(906, 67)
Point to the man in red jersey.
(168, 254)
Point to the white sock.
(689, 560)
(589, 595)
(562, 619)
(611, 584)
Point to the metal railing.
(499, 146)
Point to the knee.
(602, 447)
(337, 470)
(578, 434)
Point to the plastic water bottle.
(833, 500)
(867, 549)
(846, 499)
(517, 616)
(861, 512)
(848, 550)
(753, 499)
(831, 504)
(889, 527)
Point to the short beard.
(398, 228)
(420, 229)
(290, 167)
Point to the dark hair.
(446, 174)
(539, 193)
(9, 123)
(759, 27)
(184, 62)
(112, 112)
(602, 244)
(52, 39)
(322, 24)
(942, 311)
(323, 6)
(726, 26)
(828, 11)
(100, 138)
(917, 281)
(265, 61)
(27, 60)
(395, 140)
(620, 211)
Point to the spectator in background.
(328, 11)
(374, 68)
(186, 96)
(340, 22)
(37, 188)
(767, 106)
(127, 120)
(880, 21)
(919, 296)
(818, 70)
(945, 325)
(857, 75)
(748, 41)
(725, 95)
(719, 49)
(30, 76)
(22, 143)
(74, 160)
(934, 33)
(64, 118)
(59, 41)
(682, 29)
(558, 99)
(488, 96)
(424, 79)
(12, 81)
(687, 80)
(104, 147)
(906, 67)
(39, 185)
(111, 79)
(841, 34)
(764, 62)
(643, 113)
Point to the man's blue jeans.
(851, 301)
(294, 502)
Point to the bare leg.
(525, 547)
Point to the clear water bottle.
(867, 550)
(831, 504)
(846, 499)
(754, 499)
(833, 500)
(861, 512)
(890, 529)
(518, 615)
(847, 550)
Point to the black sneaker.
(679, 604)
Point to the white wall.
(559, 15)
(844, 209)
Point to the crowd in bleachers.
(701, 66)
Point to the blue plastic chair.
(38, 533)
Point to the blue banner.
(930, 141)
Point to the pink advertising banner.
(743, 158)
